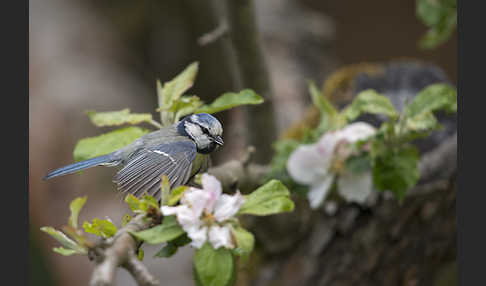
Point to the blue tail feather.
(79, 166)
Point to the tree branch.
(240, 174)
(119, 251)
(244, 35)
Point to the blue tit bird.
(179, 151)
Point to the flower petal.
(197, 200)
(213, 187)
(318, 192)
(306, 165)
(355, 187)
(185, 216)
(220, 236)
(356, 131)
(198, 235)
(227, 206)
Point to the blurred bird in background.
(179, 151)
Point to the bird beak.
(218, 140)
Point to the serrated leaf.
(396, 170)
(369, 101)
(271, 198)
(176, 194)
(245, 242)
(64, 251)
(75, 206)
(167, 231)
(100, 227)
(214, 267)
(418, 115)
(91, 147)
(171, 91)
(117, 118)
(64, 240)
(432, 98)
(231, 99)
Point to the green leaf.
(100, 227)
(244, 242)
(165, 190)
(64, 240)
(230, 99)
(64, 251)
(117, 118)
(133, 202)
(369, 101)
(75, 206)
(422, 122)
(418, 115)
(126, 219)
(441, 18)
(214, 267)
(435, 37)
(140, 254)
(106, 143)
(141, 205)
(185, 105)
(172, 91)
(167, 251)
(172, 246)
(396, 170)
(168, 230)
(329, 114)
(176, 194)
(432, 98)
(271, 198)
(181, 240)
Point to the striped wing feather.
(143, 170)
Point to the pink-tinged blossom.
(312, 165)
(203, 213)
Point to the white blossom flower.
(318, 164)
(204, 213)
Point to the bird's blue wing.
(142, 172)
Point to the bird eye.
(205, 130)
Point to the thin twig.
(155, 123)
(210, 37)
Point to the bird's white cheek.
(203, 141)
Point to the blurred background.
(106, 55)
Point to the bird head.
(204, 129)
